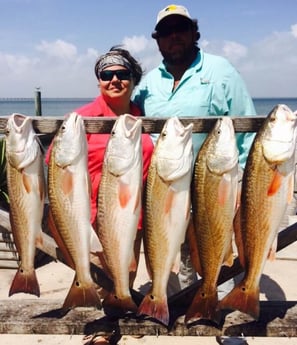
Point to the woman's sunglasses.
(122, 74)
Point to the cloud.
(268, 65)
(58, 48)
(294, 30)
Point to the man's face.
(176, 39)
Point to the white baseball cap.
(172, 9)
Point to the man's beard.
(179, 57)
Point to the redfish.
(214, 195)
(167, 211)
(267, 188)
(69, 196)
(119, 205)
(26, 189)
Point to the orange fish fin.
(82, 296)
(243, 299)
(290, 189)
(133, 265)
(224, 189)
(57, 237)
(124, 194)
(122, 304)
(25, 281)
(272, 251)
(137, 200)
(42, 188)
(67, 181)
(275, 183)
(39, 240)
(193, 247)
(203, 306)
(229, 258)
(155, 307)
(176, 265)
(27, 182)
(169, 200)
(238, 237)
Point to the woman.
(117, 73)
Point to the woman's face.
(116, 82)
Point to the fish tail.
(124, 304)
(82, 296)
(203, 306)
(243, 299)
(25, 281)
(155, 307)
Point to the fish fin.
(27, 182)
(243, 299)
(39, 240)
(25, 281)
(82, 296)
(95, 244)
(155, 307)
(275, 183)
(124, 194)
(238, 237)
(203, 306)
(176, 265)
(169, 200)
(193, 247)
(57, 237)
(290, 189)
(229, 258)
(224, 189)
(137, 200)
(67, 181)
(272, 251)
(122, 304)
(133, 265)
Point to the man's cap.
(172, 9)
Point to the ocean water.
(62, 106)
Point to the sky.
(54, 44)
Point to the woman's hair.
(119, 56)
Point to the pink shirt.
(97, 144)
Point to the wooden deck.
(44, 317)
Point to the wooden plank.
(45, 317)
(50, 124)
(9, 264)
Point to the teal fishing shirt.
(211, 86)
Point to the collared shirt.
(210, 86)
(97, 144)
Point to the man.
(190, 82)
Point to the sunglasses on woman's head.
(122, 74)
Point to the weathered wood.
(46, 317)
(50, 124)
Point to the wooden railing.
(276, 319)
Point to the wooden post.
(38, 111)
